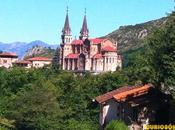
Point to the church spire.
(84, 32)
(66, 31)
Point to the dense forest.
(52, 99)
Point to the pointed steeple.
(84, 32)
(66, 29)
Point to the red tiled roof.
(39, 59)
(109, 48)
(133, 92)
(123, 92)
(97, 56)
(72, 56)
(96, 40)
(77, 42)
(8, 54)
(22, 62)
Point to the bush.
(116, 125)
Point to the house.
(7, 59)
(87, 54)
(135, 105)
(23, 63)
(38, 62)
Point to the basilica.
(87, 54)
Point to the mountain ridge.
(131, 37)
(20, 48)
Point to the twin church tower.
(87, 54)
(66, 31)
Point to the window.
(4, 61)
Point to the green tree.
(116, 125)
(35, 107)
(162, 53)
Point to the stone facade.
(87, 54)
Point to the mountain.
(132, 37)
(21, 47)
(39, 51)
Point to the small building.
(38, 62)
(7, 59)
(135, 105)
(23, 63)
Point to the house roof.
(22, 62)
(8, 54)
(133, 92)
(72, 56)
(39, 59)
(123, 92)
(77, 42)
(97, 56)
(109, 48)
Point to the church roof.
(75, 42)
(72, 56)
(96, 40)
(97, 56)
(108, 48)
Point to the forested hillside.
(132, 37)
(39, 51)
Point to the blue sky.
(28, 20)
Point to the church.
(87, 54)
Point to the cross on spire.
(85, 11)
(67, 9)
(66, 28)
(84, 32)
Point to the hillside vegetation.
(39, 51)
(132, 37)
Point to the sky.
(29, 20)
